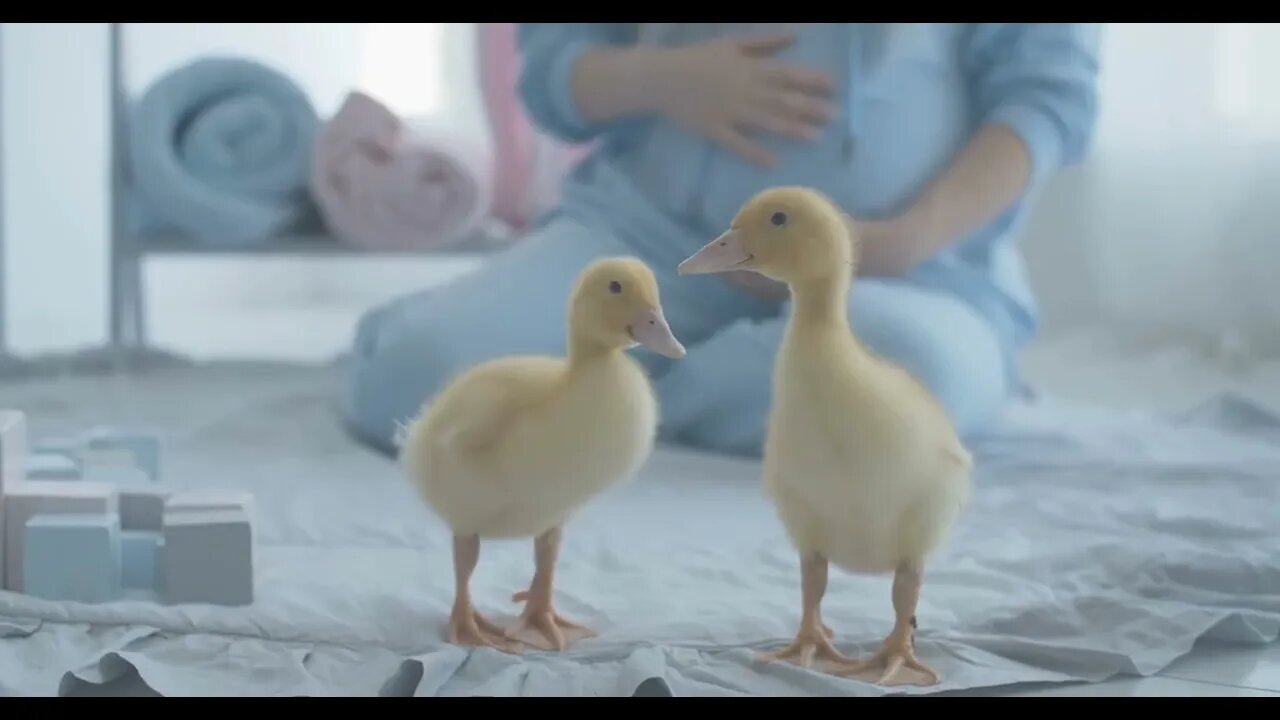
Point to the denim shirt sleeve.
(1041, 80)
(549, 51)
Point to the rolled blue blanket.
(220, 150)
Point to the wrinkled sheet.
(1098, 543)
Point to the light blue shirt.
(912, 96)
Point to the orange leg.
(466, 626)
(538, 611)
(814, 637)
(896, 657)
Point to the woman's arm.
(1036, 91)
(567, 102)
(616, 83)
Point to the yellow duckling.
(512, 447)
(863, 465)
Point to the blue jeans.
(717, 398)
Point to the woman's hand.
(891, 247)
(727, 88)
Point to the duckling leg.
(538, 612)
(814, 638)
(466, 626)
(897, 653)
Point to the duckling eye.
(779, 219)
(615, 287)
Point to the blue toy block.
(141, 450)
(140, 566)
(73, 557)
(52, 466)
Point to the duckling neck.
(822, 301)
(584, 350)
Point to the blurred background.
(1153, 261)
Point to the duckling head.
(790, 234)
(615, 305)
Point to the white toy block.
(140, 559)
(13, 448)
(210, 499)
(108, 446)
(51, 466)
(208, 557)
(47, 497)
(72, 557)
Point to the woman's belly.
(901, 115)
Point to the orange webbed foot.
(469, 628)
(552, 631)
(812, 642)
(894, 664)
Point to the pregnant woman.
(933, 137)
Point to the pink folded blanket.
(383, 185)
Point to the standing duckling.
(512, 447)
(863, 465)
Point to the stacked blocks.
(47, 497)
(115, 528)
(72, 557)
(142, 504)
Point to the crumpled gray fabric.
(1098, 543)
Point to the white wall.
(55, 208)
(1170, 229)
(1173, 226)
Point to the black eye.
(779, 219)
(615, 287)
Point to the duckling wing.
(879, 418)
(477, 409)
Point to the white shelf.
(130, 251)
(307, 244)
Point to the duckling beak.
(650, 329)
(723, 254)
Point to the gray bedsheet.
(1098, 543)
